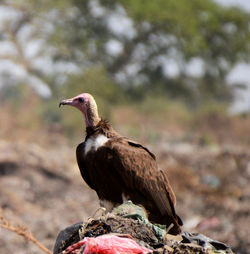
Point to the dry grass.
(22, 231)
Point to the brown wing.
(122, 166)
(81, 165)
(140, 172)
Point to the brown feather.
(124, 167)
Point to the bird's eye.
(81, 100)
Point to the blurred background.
(173, 75)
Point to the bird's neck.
(102, 127)
(88, 123)
(91, 120)
(91, 115)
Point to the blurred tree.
(136, 40)
(147, 47)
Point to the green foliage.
(209, 109)
(199, 26)
(157, 108)
(175, 17)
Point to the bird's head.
(85, 102)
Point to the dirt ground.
(41, 188)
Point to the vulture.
(120, 169)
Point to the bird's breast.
(93, 143)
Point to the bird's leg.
(169, 227)
(102, 211)
(95, 215)
(90, 219)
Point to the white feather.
(95, 143)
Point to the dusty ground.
(41, 188)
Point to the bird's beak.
(66, 102)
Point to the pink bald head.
(87, 105)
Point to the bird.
(120, 169)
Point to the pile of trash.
(127, 230)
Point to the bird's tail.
(174, 225)
(172, 219)
(179, 220)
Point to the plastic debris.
(107, 244)
(130, 210)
